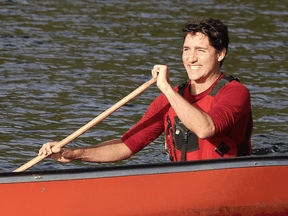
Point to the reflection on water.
(62, 64)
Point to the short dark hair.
(216, 31)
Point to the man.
(207, 117)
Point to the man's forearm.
(193, 118)
(110, 151)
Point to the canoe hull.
(246, 190)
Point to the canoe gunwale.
(147, 169)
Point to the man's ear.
(221, 54)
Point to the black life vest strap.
(244, 148)
(223, 81)
(183, 86)
(169, 128)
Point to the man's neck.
(199, 86)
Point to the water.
(65, 62)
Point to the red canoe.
(233, 186)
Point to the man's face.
(200, 59)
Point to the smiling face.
(201, 60)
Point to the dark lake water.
(65, 62)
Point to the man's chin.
(197, 79)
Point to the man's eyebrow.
(201, 48)
(196, 47)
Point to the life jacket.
(184, 145)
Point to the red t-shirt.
(230, 115)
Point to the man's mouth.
(195, 66)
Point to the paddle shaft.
(90, 124)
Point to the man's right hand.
(161, 73)
(59, 154)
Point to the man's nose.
(193, 57)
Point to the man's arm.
(196, 120)
(193, 118)
(110, 151)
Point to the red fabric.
(230, 114)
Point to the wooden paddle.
(90, 124)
